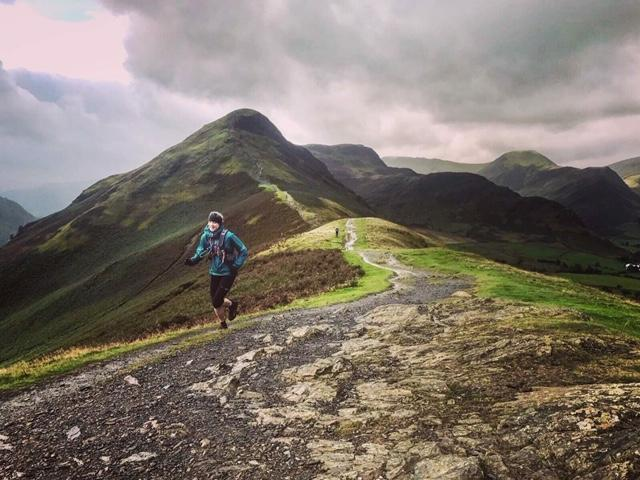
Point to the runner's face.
(213, 225)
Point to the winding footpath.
(424, 381)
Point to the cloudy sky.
(89, 88)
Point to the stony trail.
(425, 381)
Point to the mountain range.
(109, 265)
(598, 195)
(463, 204)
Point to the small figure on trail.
(227, 253)
(337, 232)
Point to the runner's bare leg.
(221, 313)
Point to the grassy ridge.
(376, 233)
(322, 237)
(497, 280)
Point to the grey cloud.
(463, 61)
(406, 76)
(54, 129)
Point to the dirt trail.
(422, 381)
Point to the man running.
(227, 254)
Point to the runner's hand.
(189, 261)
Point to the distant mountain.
(627, 168)
(462, 203)
(349, 160)
(93, 271)
(597, 194)
(12, 216)
(432, 165)
(515, 169)
(629, 171)
(46, 199)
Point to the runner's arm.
(201, 251)
(243, 252)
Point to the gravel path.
(192, 414)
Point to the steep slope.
(12, 216)
(432, 165)
(460, 203)
(626, 168)
(599, 196)
(95, 270)
(596, 194)
(629, 171)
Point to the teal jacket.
(231, 244)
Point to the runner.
(227, 253)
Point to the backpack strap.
(222, 238)
(220, 244)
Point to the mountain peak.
(525, 158)
(248, 120)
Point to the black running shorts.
(219, 287)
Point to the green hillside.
(629, 171)
(109, 266)
(308, 269)
(496, 280)
(633, 181)
(12, 216)
(432, 165)
(627, 168)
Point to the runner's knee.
(217, 302)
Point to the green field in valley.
(498, 280)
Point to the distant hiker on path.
(227, 253)
(337, 232)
